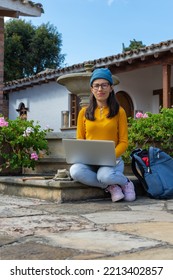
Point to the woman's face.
(101, 90)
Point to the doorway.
(125, 101)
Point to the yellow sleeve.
(122, 133)
(80, 133)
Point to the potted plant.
(22, 143)
(151, 130)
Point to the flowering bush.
(151, 130)
(21, 143)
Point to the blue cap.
(101, 73)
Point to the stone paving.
(34, 229)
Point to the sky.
(93, 29)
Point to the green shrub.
(151, 130)
(22, 143)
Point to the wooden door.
(125, 101)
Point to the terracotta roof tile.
(127, 57)
(33, 4)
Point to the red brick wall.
(1, 63)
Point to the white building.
(145, 85)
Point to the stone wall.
(1, 63)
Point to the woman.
(104, 119)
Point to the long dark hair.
(111, 102)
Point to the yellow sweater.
(103, 128)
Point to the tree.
(133, 45)
(30, 49)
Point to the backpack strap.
(137, 173)
(153, 154)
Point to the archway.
(125, 101)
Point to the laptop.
(93, 152)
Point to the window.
(160, 93)
(74, 109)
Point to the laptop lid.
(94, 152)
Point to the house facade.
(146, 83)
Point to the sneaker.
(116, 192)
(129, 191)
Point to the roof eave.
(21, 8)
(128, 57)
(140, 53)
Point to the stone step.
(46, 188)
(50, 165)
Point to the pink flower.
(139, 115)
(145, 116)
(34, 156)
(3, 122)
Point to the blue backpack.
(154, 169)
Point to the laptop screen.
(92, 152)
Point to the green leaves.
(154, 130)
(134, 45)
(21, 143)
(30, 49)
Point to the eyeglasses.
(103, 86)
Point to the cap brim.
(115, 80)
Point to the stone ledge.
(52, 190)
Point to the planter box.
(11, 172)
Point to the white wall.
(45, 103)
(139, 84)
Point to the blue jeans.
(99, 176)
